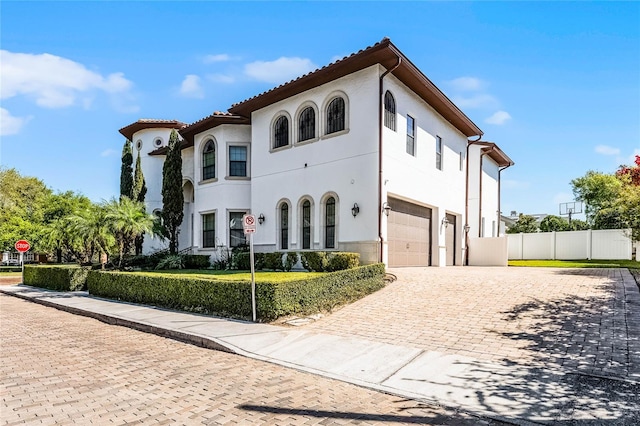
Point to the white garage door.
(408, 234)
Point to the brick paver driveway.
(60, 368)
(587, 319)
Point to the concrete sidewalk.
(504, 391)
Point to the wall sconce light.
(445, 222)
(386, 208)
(355, 209)
(466, 228)
(261, 219)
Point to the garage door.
(408, 234)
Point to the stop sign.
(22, 246)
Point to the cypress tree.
(126, 171)
(139, 192)
(172, 196)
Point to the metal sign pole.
(253, 277)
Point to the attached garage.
(408, 234)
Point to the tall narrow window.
(236, 231)
(237, 161)
(284, 226)
(438, 153)
(461, 161)
(209, 230)
(389, 111)
(411, 135)
(209, 160)
(281, 132)
(335, 115)
(306, 225)
(330, 223)
(307, 124)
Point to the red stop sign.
(22, 246)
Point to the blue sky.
(555, 84)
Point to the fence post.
(589, 244)
(553, 245)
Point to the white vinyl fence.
(488, 251)
(590, 244)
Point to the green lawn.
(632, 264)
(236, 275)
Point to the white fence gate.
(568, 245)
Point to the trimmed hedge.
(57, 277)
(233, 298)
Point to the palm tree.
(126, 219)
(90, 232)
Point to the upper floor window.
(238, 161)
(236, 230)
(284, 226)
(281, 132)
(209, 160)
(411, 135)
(438, 153)
(330, 223)
(389, 111)
(307, 124)
(209, 230)
(306, 224)
(335, 115)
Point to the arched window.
(307, 124)
(281, 132)
(335, 115)
(306, 224)
(389, 111)
(209, 160)
(330, 223)
(284, 226)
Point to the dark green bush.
(233, 298)
(290, 260)
(197, 261)
(171, 261)
(57, 277)
(10, 269)
(315, 261)
(241, 261)
(273, 261)
(342, 260)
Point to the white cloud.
(191, 87)
(221, 78)
(53, 81)
(279, 71)
(467, 84)
(607, 150)
(9, 124)
(498, 118)
(108, 153)
(222, 57)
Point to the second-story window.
(307, 124)
(281, 132)
(238, 161)
(411, 135)
(438, 153)
(389, 111)
(335, 115)
(209, 160)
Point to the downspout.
(380, 125)
(500, 196)
(480, 193)
(466, 202)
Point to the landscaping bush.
(342, 260)
(290, 260)
(197, 261)
(57, 277)
(320, 261)
(10, 268)
(273, 261)
(233, 298)
(171, 261)
(315, 261)
(241, 261)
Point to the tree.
(126, 219)
(554, 223)
(597, 190)
(524, 224)
(579, 225)
(139, 193)
(172, 196)
(126, 171)
(90, 233)
(58, 235)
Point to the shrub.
(290, 260)
(171, 261)
(273, 261)
(233, 298)
(240, 258)
(343, 260)
(57, 277)
(197, 261)
(315, 261)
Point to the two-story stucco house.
(365, 154)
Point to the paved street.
(60, 368)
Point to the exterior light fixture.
(466, 228)
(386, 208)
(355, 209)
(261, 219)
(445, 222)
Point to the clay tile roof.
(150, 123)
(213, 120)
